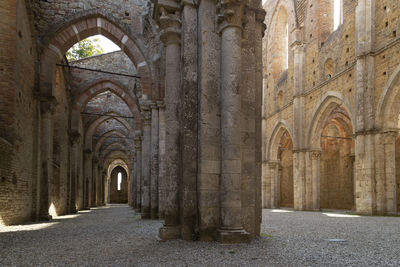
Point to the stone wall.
(362, 62)
(18, 117)
(118, 196)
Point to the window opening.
(119, 181)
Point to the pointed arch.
(279, 129)
(389, 103)
(86, 24)
(330, 101)
(93, 126)
(99, 87)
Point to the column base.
(146, 215)
(228, 236)
(169, 232)
(45, 218)
(154, 214)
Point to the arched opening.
(280, 99)
(329, 68)
(92, 46)
(285, 157)
(280, 47)
(119, 186)
(329, 17)
(336, 169)
(337, 14)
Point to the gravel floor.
(116, 236)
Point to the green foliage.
(83, 49)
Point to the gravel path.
(116, 236)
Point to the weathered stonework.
(332, 101)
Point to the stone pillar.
(161, 159)
(108, 190)
(266, 186)
(315, 157)
(209, 125)
(154, 162)
(87, 178)
(390, 172)
(364, 107)
(74, 141)
(273, 176)
(231, 228)
(132, 185)
(96, 182)
(47, 109)
(300, 156)
(146, 161)
(170, 36)
(138, 193)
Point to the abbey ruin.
(211, 114)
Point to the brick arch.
(279, 129)
(273, 11)
(99, 87)
(86, 24)
(103, 138)
(329, 102)
(114, 146)
(94, 125)
(111, 156)
(389, 103)
(115, 163)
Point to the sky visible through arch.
(107, 45)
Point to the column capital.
(48, 104)
(153, 106)
(315, 154)
(161, 104)
(74, 137)
(273, 163)
(230, 14)
(170, 25)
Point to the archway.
(278, 185)
(388, 121)
(330, 137)
(336, 170)
(118, 186)
(285, 157)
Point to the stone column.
(47, 109)
(74, 139)
(96, 182)
(108, 190)
(154, 162)
(146, 161)
(266, 186)
(87, 178)
(364, 107)
(390, 172)
(315, 157)
(161, 159)
(138, 193)
(170, 35)
(132, 188)
(273, 170)
(231, 228)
